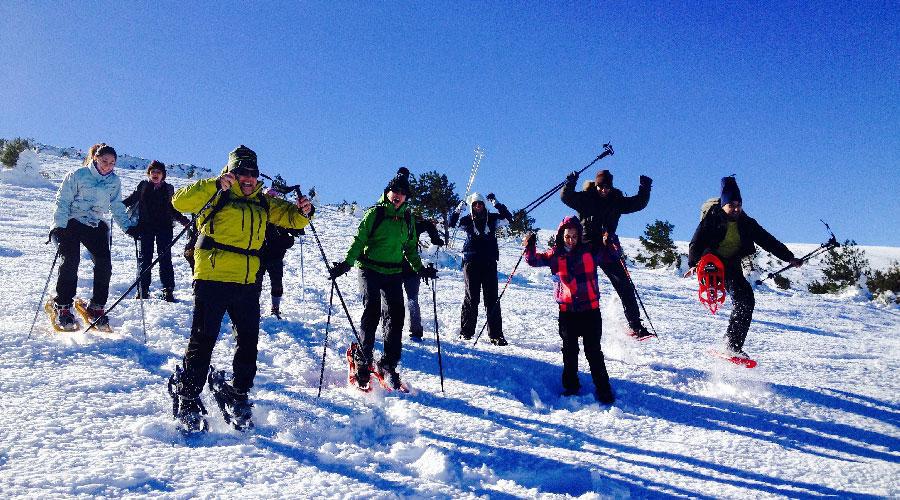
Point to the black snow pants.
(274, 266)
(589, 326)
(481, 276)
(411, 286)
(743, 302)
(212, 299)
(376, 287)
(162, 238)
(96, 240)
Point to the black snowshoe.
(189, 412)
(235, 406)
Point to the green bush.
(657, 240)
(844, 266)
(782, 282)
(880, 281)
(9, 155)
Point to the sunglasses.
(245, 172)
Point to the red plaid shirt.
(576, 273)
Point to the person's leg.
(144, 260)
(469, 310)
(70, 256)
(370, 283)
(209, 309)
(491, 305)
(570, 381)
(164, 250)
(392, 291)
(243, 309)
(591, 330)
(411, 285)
(96, 241)
(743, 303)
(625, 290)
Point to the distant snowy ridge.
(126, 161)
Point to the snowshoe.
(640, 333)
(188, 412)
(389, 378)
(93, 314)
(737, 357)
(358, 375)
(711, 275)
(235, 406)
(499, 341)
(61, 317)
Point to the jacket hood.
(475, 196)
(569, 221)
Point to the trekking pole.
(497, 303)
(832, 243)
(149, 267)
(41, 300)
(437, 335)
(137, 257)
(637, 295)
(302, 272)
(607, 151)
(325, 343)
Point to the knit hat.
(570, 221)
(400, 182)
(157, 165)
(604, 178)
(730, 190)
(242, 157)
(475, 196)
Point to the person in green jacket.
(231, 231)
(386, 237)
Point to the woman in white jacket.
(82, 203)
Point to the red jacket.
(575, 270)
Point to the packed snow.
(89, 415)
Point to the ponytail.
(99, 149)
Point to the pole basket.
(711, 275)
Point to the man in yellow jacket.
(231, 231)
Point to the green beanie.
(242, 157)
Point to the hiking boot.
(190, 415)
(605, 395)
(97, 315)
(640, 333)
(389, 373)
(500, 341)
(168, 296)
(466, 336)
(64, 317)
(362, 369)
(736, 352)
(275, 311)
(416, 336)
(142, 293)
(571, 392)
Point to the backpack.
(707, 205)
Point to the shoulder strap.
(379, 217)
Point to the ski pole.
(479, 154)
(149, 267)
(637, 295)
(137, 257)
(607, 151)
(437, 335)
(325, 343)
(41, 300)
(302, 272)
(497, 303)
(824, 247)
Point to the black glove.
(491, 198)
(56, 234)
(530, 240)
(133, 232)
(646, 181)
(572, 178)
(428, 273)
(338, 269)
(437, 241)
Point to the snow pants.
(589, 326)
(625, 290)
(376, 287)
(212, 299)
(96, 240)
(481, 276)
(743, 303)
(411, 286)
(162, 238)
(274, 265)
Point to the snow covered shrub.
(657, 240)
(521, 225)
(886, 282)
(782, 282)
(11, 149)
(844, 266)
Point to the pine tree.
(657, 240)
(521, 224)
(434, 197)
(844, 267)
(11, 149)
(884, 282)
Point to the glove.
(530, 240)
(133, 232)
(572, 178)
(461, 206)
(646, 181)
(491, 198)
(437, 242)
(428, 273)
(338, 269)
(56, 234)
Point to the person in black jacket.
(411, 280)
(480, 255)
(156, 216)
(271, 258)
(599, 208)
(731, 235)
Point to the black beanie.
(400, 182)
(730, 190)
(157, 165)
(604, 178)
(242, 157)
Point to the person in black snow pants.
(480, 255)
(156, 216)
(730, 234)
(411, 281)
(599, 207)
(271, 258)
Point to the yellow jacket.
(240, 222)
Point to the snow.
(88, 415)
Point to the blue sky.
(799, 99)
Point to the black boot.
(168, 296)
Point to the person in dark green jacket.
(386, 237)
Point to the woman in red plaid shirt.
(575, 267)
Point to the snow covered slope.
(89, 416)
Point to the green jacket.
(392, 241)
(241, 223)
